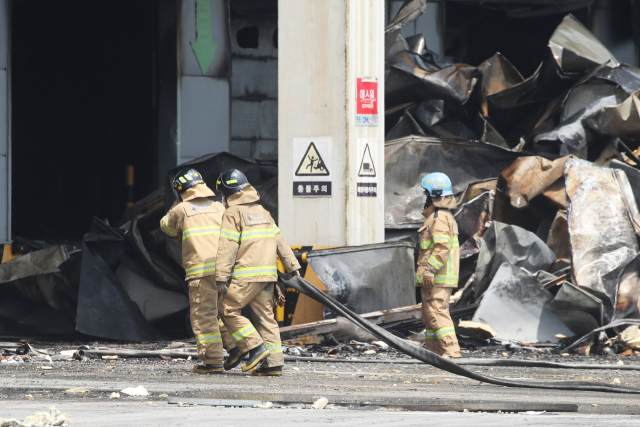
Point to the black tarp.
(104, 307)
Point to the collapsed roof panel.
(603, 239)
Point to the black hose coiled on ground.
(433, 359)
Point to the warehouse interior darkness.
(83, 109)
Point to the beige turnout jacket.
(197, 220)
(250, 241)
(439, 249)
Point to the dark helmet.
(187, 178)
(231, 181)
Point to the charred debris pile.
(546, 174)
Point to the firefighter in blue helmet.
(438, 264)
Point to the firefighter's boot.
(256, 356)
(234, 359)
(207, 369)
(272, 371)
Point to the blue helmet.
(437, 184)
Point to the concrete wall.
(323, 47)
(254, 93)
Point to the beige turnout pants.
(227, 339)
(440, 335)
(248, 335)
(203, 302)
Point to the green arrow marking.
(204, 47)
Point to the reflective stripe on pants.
(203, 304)
(440, 335)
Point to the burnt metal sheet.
(571, 298)
(625, 76)
(498, 74)
(410, 77)
(504, 243)
(516, 307)
(621, 121)
(406, 126)
(416, 43)
(587, 93)
(409, 159)
(488, 133)
(575, 49)
(573, 52)
(367, 278)
(558, 241)
(603, 239)
(36, 277)
(628, 199)
(473, 216)
(394, 43)
(633, 175)
(408, 13)
(571, 136)
(528, 177)
(430, 118)
(38, 300)
(628, 298)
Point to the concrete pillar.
(325, 143)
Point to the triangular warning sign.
(312, 163)
(367, 167)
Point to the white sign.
(367, 182)
(312, 166)
(367, 167)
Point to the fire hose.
(426, 356)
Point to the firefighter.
(246, 273)
(196, 219)
(438, 264)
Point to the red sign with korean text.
(367, 101)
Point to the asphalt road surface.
(26, 388)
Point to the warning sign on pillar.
(367, 183)
(366, 101)
(312, 166)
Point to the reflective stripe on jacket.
(250, 241)
(439, 248)
(197, 221)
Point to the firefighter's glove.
(222, 287)
(428, 280)
(294, 273)
(278, 296)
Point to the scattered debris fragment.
(135, 391)
(320, 403)
(39, 419)
(266, 405)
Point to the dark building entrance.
(82, 110)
